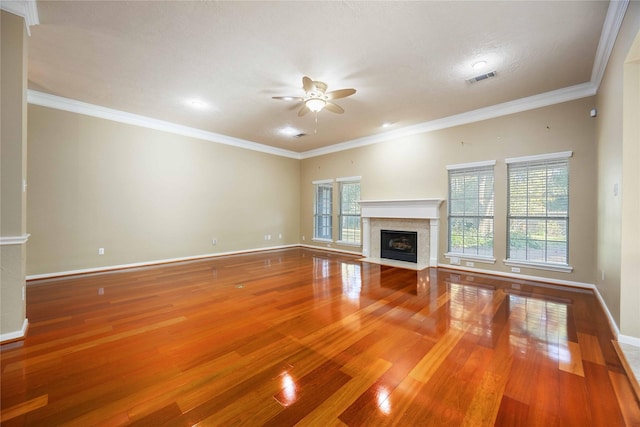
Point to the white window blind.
(471, 209)
(538, 210)
(322, 224)
(350, 212)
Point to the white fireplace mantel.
(418, 209)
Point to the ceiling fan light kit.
(315, 104)
(317, 98)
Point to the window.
(538, 209)
(322, 224)
(471, 210)
(349, 210)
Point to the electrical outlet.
(303, 238)
(455, 260)
(279, 235)
(470, 264)
(214, 242)
(515, 269)
(602, 273)
(268, 236)
(100, 251)
(24, 293)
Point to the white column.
(366, 237)
(434, 229)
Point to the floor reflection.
(537, 324)
(382, 400)
(289, 394)
(472, 307)
(321, 278)
(351, 280)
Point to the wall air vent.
(481, 77)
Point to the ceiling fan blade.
(340, 93)
(307, 84)
(334, 108)
(304, 110)
(288, 98)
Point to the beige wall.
(609, 136)
(146, 195)
(13, 171)
(630, 245)
(415, 167)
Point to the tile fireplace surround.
(420, 215)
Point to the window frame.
(341, 214)
(476, 168)
(317, 185)
(532, 163)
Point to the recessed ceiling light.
(386, 124)
(288, 131)
(197, 104)
(479, 65)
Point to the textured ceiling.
(409, 61)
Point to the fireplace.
(399, 245)
(420, 216)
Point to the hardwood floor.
(311, 338)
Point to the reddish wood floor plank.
(315, 338)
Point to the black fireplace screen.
(399, 245)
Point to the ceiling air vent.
(482, 77)
(300, 135)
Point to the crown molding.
(28, 9)
(570, 93)
(14, 240)
(610, 29)
(73, 106)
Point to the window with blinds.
(471, 209)
(323, 205)
(538, 209)
(349, 211)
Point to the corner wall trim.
(28, 9)
(11, 336)
(151, 263)
(14, 240)
(610, 29)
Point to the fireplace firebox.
(399, 245)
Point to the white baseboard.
(150, 263)
(612, 322)
(10, 336)
(626, 339)
(322, 248)
(520, 276)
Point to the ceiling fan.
(317, 98)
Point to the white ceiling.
(409, 61)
